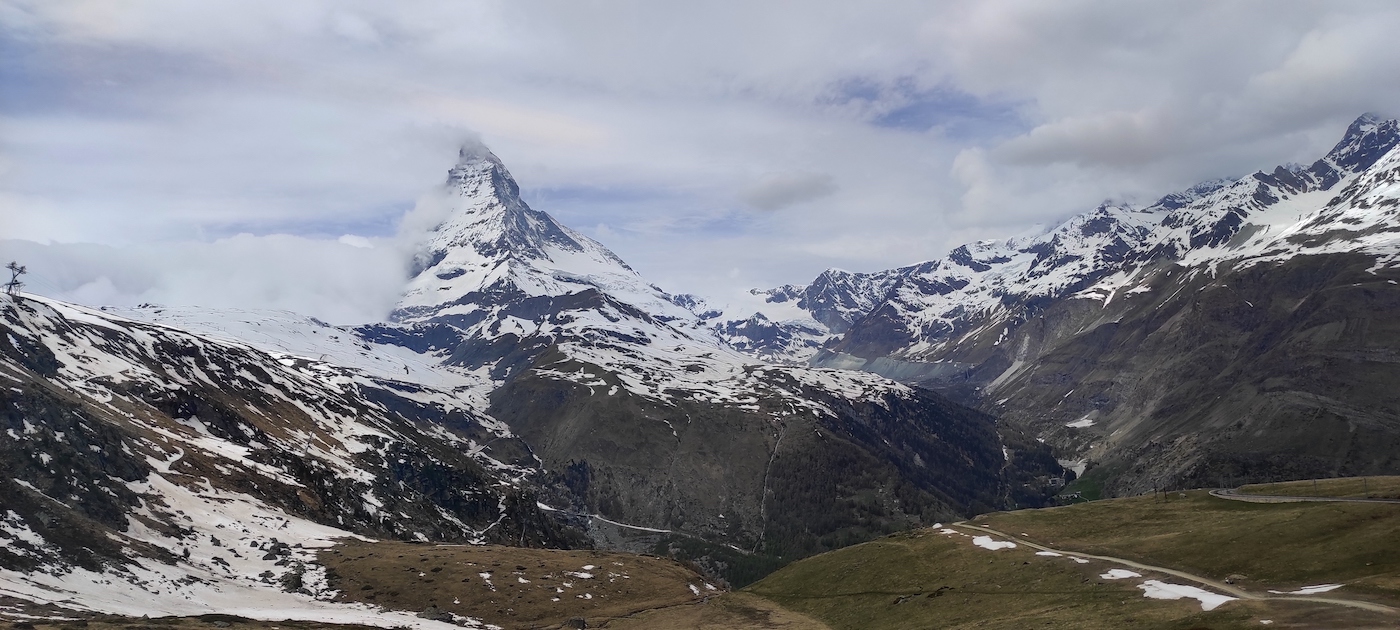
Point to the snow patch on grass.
(1155, 589)
(987, 542)
(1310, 590)
(1119, 574)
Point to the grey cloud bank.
(780, 190)
(176, 138)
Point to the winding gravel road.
(1215, 584)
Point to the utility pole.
(14, 285)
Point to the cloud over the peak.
(918, 124)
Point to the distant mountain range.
(1239, 329)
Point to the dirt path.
(1233, 495)
(1215, 584)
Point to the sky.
(262, 153)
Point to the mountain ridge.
(1016, 327)
(1084, 250)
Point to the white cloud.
(336, 282)
(903, 128)
(355, 241)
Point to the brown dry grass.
(528, 588)
(730, 611)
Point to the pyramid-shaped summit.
(491, 248)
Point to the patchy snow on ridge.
(284, 332)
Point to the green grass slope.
(1264, 545)
(938, 578)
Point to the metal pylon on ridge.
(14, 285)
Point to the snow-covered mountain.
(1026, 327)
(796, 322)
(920, 312)
(532, 390)
(506, 278)
(629, 393)
(153, 470)
(492, 251)
(503, 276)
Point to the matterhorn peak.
(474, 150)
(479, 173)
(491, 246)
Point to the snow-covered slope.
(793, 323)
(363, 349)
(152, 470)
